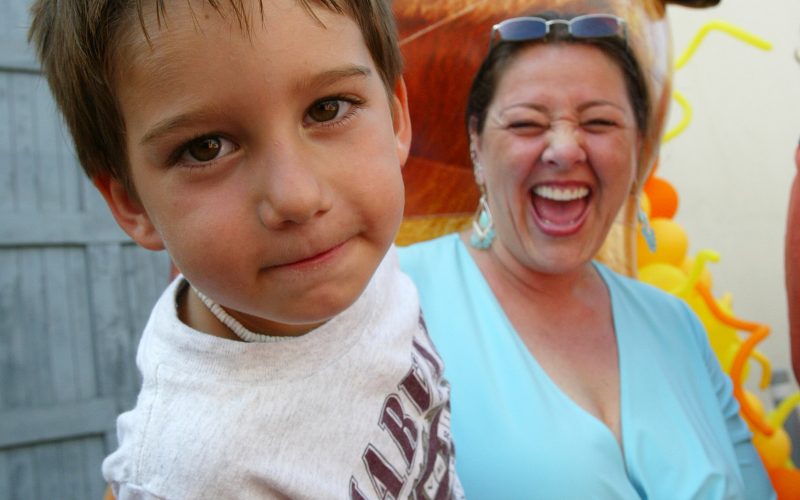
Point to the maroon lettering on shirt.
(434, 482)
(355, 491)
(386, 481)
(421, 434)
(431, 358)
(417, 389)
(400, 426)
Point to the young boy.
(260, 144)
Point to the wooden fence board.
(13, 392)
(80, 324)
(112, 339)
(75, 293)
(62, 356)
(7, 193)
(94, 451)
(25, 426)
(21, 475)
(36, 372)
(46, 464)
(5, 486)
(46, 140)
(15, 19)
(8, 327)
(58, 229)
(146, 275)
(23, 149)
(15, 53)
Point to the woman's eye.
(327, 110)
(206, 149)
(525, 125)
(599, 123)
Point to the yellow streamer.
(686, 117)
(725, 27)
(707, 28)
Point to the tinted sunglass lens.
(523, 29)
(594, 27)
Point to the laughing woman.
(568, 380)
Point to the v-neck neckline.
(542, 373)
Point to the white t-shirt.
(357, 408)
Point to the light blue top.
(517, 435)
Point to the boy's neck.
(192, 312)
(197, 315)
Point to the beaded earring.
(646, 229)
(482, 223)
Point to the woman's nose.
(565, 146)
(294, 189)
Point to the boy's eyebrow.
(332, 76)
(171, 123)
(318, 80)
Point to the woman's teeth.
(561, 194)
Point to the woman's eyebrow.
(599, 102)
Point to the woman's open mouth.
(560, 209)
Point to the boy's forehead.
(154, 15)
(195, 48)
(140, 42)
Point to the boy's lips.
(559, 209)
(310, 259)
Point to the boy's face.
(267, 165)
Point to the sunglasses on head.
(523, 29)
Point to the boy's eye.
(324, 111)
(206, 149)
(327, 110)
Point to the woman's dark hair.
(494, 65)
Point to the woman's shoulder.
(431, 253)
(619, 281)
(643, 307)
(447, 242)
(633, 295)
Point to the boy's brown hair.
(77, 42)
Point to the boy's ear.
(402, 120)
(129, 213)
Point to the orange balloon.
(786, 482)
(756, 405)
(775, 449)
(663, 197)
(671, 244)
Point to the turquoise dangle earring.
(645, 227)
(482, 223)
(482, 226)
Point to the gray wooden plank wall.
(75, 293)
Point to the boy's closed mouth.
(314, 259)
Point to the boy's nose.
(294, 192)
(564, 146)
